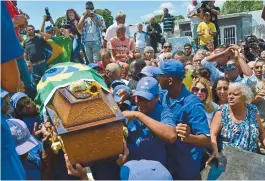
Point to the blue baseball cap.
(144, 170)
(24, 141)
(147, 88)
(116, 83)
(49, 28)
(172, 68)
(124, 87)
(15, 98)
(149, 71)
(3, 95)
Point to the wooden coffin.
(92, 137)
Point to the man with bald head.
(122, 47)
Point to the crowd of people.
(182, 108)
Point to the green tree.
(158, 18)
(231, 6)
(106, 14)
(59, 21)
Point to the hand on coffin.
(123, 157)
(78, 171)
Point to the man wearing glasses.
(232, 68)
(34, 50)
(91, 25)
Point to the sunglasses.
(89, 8)
(167, 47)
(230, 67)
(197, 89)
(29, 29)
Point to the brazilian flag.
(58, 50)
(61, 75)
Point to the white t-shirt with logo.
(193, 9)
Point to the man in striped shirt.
(168, 24)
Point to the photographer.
(208, 6)
(49, 29)
(71, 23)
(34, 50)
(91, 38)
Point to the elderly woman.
(201, 88)
(149, 54)
(238, 123)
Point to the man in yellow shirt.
(206, 30)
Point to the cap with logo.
(24, 141)
(149, 71)
(147, 88)
(172, 68)
(16, 97)
(144, 170)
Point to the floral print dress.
(242, 135)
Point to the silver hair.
(263, 52)
(148, 49)
(122, 27)
(201, 52)
(120, 14)
(245, 90)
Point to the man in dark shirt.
(154, 31)
(34, 51)
(215, 11)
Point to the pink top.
(122, 47)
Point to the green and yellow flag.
(61, 75)
(58, 50)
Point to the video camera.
(48, 15)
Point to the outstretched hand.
(79, 171)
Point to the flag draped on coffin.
(61, 75)
(58, 50)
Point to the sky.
(136, 11)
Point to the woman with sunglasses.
(220, 91)
(201, 88)
(237, 124)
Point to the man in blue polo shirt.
(142, 143)
(183, 123)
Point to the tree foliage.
(106, 14)
(59, 21)
(158, 18)
(231, 6)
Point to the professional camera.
(66, 24)
(252, 41)
(48, 15)
(92, 14)
(205, 6)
